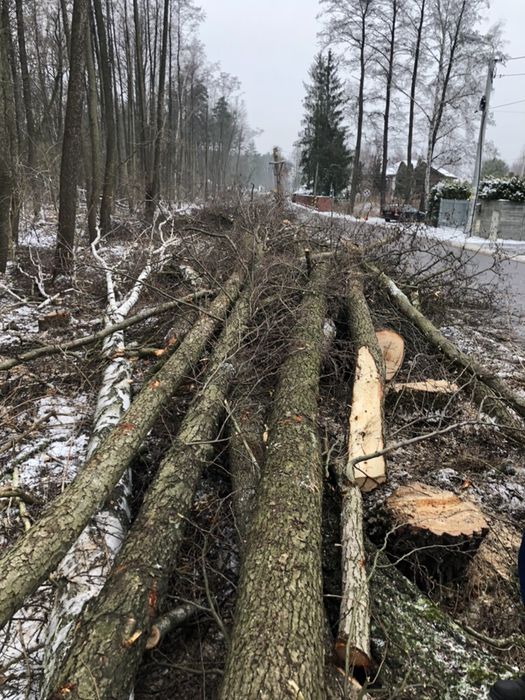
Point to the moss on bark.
(424, 654)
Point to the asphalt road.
(511, 281)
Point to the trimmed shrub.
(512, 189)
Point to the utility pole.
(278, 164)
(484, 109)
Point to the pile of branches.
(232, 531)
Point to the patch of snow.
(458, 237)
(37, 237)
(63, 447)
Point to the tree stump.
(55, 319)
(433, 531)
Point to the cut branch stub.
(366, 424)
(392, 348)
(434, 530)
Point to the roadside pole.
(484, 108)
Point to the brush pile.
(249, 454)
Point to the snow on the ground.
(38, 237)
(47, 460)
(59, 460)
(460, 238)
(50, 458)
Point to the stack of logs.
(277, 644)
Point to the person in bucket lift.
(513, 689)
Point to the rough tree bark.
(6, 160)
(277, 646)
(110, 173)
(246, 457)
(28, 104)
(94, 176)
(71, 141)
(112, 634)
(407, 626)
(35, 555)
(153, 191)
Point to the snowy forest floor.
(47, 408)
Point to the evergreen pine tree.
(325, 158)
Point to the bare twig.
(109, 330)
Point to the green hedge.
(512, 189)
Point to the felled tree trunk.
(246, 457)
(113, 632)
(491, 392)
(365, 436)
(276, 648)
(36, 554)
(423, 654)
(83, 570)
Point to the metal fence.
(453, 213)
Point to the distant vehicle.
(402, 212)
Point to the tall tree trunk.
(412, 105)
(6, 161)
(15, 75)
(356, 167)
(28, 103)
(388, 93)
(71, 141)
(119, 623)
(140, 93)
(94, 135)
(277, 645)
(152, 194)
(441, 97)
(110, 174)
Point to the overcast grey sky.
(269, 46)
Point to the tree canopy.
(325, 158)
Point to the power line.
(509, 75)
(507, 104)
(515, 58)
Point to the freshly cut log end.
(435, 531)
(392, 348)
(439, 512)
(366, 422)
